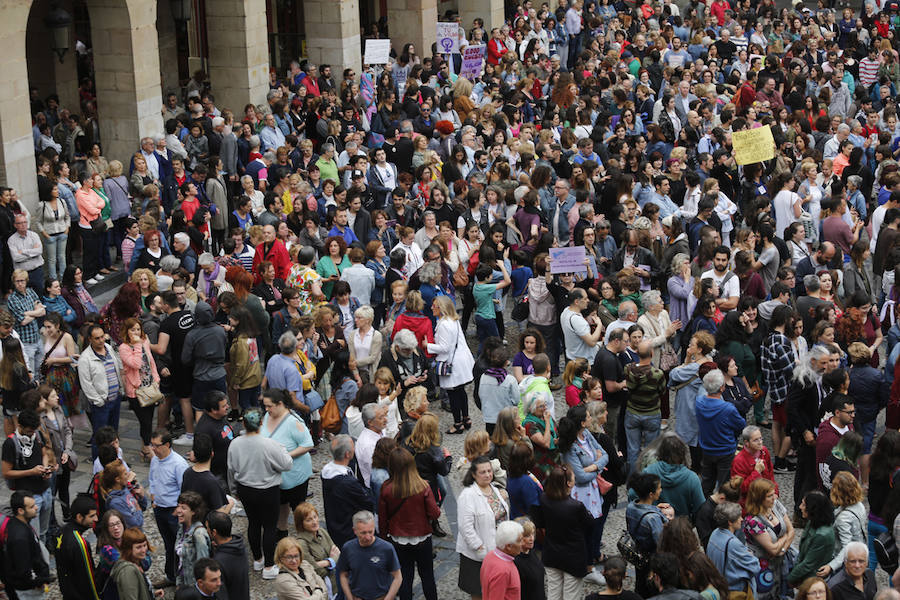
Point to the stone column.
(412, 21)
(16, 144)
(491, 11)
(168, 50)
(238, 52)
(332, 34)
(126, 64)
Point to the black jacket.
(23, 567)
(192, 593)
(232, 557)
(804, 409)
(565, 522)
(642, 256)
(343, 496)
(75, 565)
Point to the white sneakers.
(259, 564)
(186, 439)
(596, 577)
(272, 572)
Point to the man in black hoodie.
(204, 346)
(231, 554)
(343, 494)
(74, 561)
(24, 569)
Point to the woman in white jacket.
(451, 349)
(480, 508)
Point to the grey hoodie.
(204, 345)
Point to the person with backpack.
(24, 571)
(28, 468)
(644, 521)
(74, 561)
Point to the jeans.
(55, 254)
(485, 328)
(574, 49)
(640, 430)
(875, 529)
(562, 586)
(413, 557)
(34, 594)
(34, 355)
(108, 414)
(202, 388)
(714, 471)
(36, 279)
(167, 523)
(105, 241)
(43, 503)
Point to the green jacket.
(130, 581)
(816, 549)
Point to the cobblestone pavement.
(446, 562)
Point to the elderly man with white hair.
(833, 145)
(854, 581)
(271, 136)
(181, 249)
(719, 424)
(374, 418)
(628, 316)
(499, 576)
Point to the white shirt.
(730, 289)
(365, 448)
(152, 163)
(574, 326)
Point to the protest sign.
(753, 145)
(472, 61)
(378, 52)
(567, 260)
(448, 38)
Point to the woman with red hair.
(126, 305)
(242, 282)
(152, 252)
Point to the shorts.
(779, 413)
(867, 430)
(296, 495)
(180, 384)
(201, 388)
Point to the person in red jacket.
(406, 508)
(413, 319)
(499, 575)
(496, 47)
(272, 250)
(753, 461)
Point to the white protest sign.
(472, 61)
(378, 52)
(448, 38)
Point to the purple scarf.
(497, 373)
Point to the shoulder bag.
(445, 367)
(148, 395)
(629, 549)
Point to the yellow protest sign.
(753, 145)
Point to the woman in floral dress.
(304, 278)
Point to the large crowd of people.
(331, 270)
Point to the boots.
(437, 529)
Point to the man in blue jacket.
(720, 424)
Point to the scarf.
(539, 424)
(497, 373)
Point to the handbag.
(331, 417)
(520, 310)
(460, 277)
(604, 485)
(445, 367)
(668, 358)
(629, 549)
(148, 395)
(98, 226)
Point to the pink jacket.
(131, 366)
(89, 205)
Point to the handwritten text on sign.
(378, 52)
(567, 260)
(472, 61)
(753, 145)
(448, 38)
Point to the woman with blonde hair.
(454, 359)
(145, 280)
(406, 512)
(432, 460)
(297, 579)
(461, 91)
(849, 519)
(318, 548)
(478, 443)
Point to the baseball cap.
(356, 173)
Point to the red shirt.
(499, 577)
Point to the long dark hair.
(12, 356)
(469, 477)
(569, 426)
(730, 330)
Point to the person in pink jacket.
(139, 369)
(89, 206)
